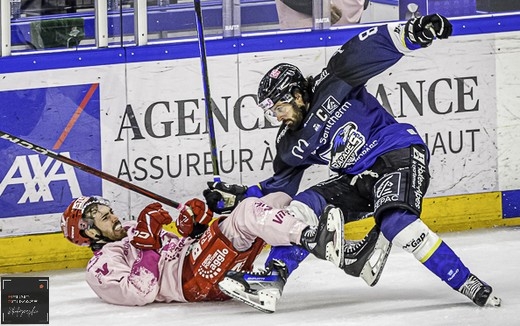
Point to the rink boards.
(442, 214)
(140, 116)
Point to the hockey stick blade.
(83, 167)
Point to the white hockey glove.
(423, 30)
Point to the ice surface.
(319, 294)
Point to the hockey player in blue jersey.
(381, 164)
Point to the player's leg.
(407, 231)
(398, 196)
(262, 290)
(364, 258)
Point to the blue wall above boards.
(257, 42)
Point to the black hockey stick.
(88, 169)
(207, 95)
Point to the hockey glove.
(222, 197)
(193, 219)
(149, 226)
(422, 30)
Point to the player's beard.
(118, 233)
(296, 118)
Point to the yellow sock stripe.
(431, 251)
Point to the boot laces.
(353, 246)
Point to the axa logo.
(32, 182)
(36, 177)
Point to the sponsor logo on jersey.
(281, 134)
(299, 149)
(279, 217)
(324, 74)
(414, 243)
(418, 156)
(387, 189)
(327, 107)
(335, 117)
(346, 142)
(330, 104)
(418, 177)
(211, 266)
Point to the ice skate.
(325, 240)
(260, 290)
(366, 258)
(479, 292)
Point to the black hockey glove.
(422, 30)
(222, 197)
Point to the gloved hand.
(222, 197)
(149, 226)
(422, 30)
(193, 218)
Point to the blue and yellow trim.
(33, 253)
(460, 213)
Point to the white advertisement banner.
(153, 125)
(448, 92)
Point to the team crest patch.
(345, 144)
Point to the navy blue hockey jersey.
(346, 127)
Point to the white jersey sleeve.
(118, 274)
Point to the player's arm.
(222, 197)
(374, 50)
(114, 281)
(285, 178)
(117, 281)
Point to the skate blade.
(374, 266)
(264, 301)
(334, 252)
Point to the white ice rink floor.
(319, 294)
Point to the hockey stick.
(88, 169)
(207, 95)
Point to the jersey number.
(363, 35)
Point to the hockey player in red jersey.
(137, 262)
